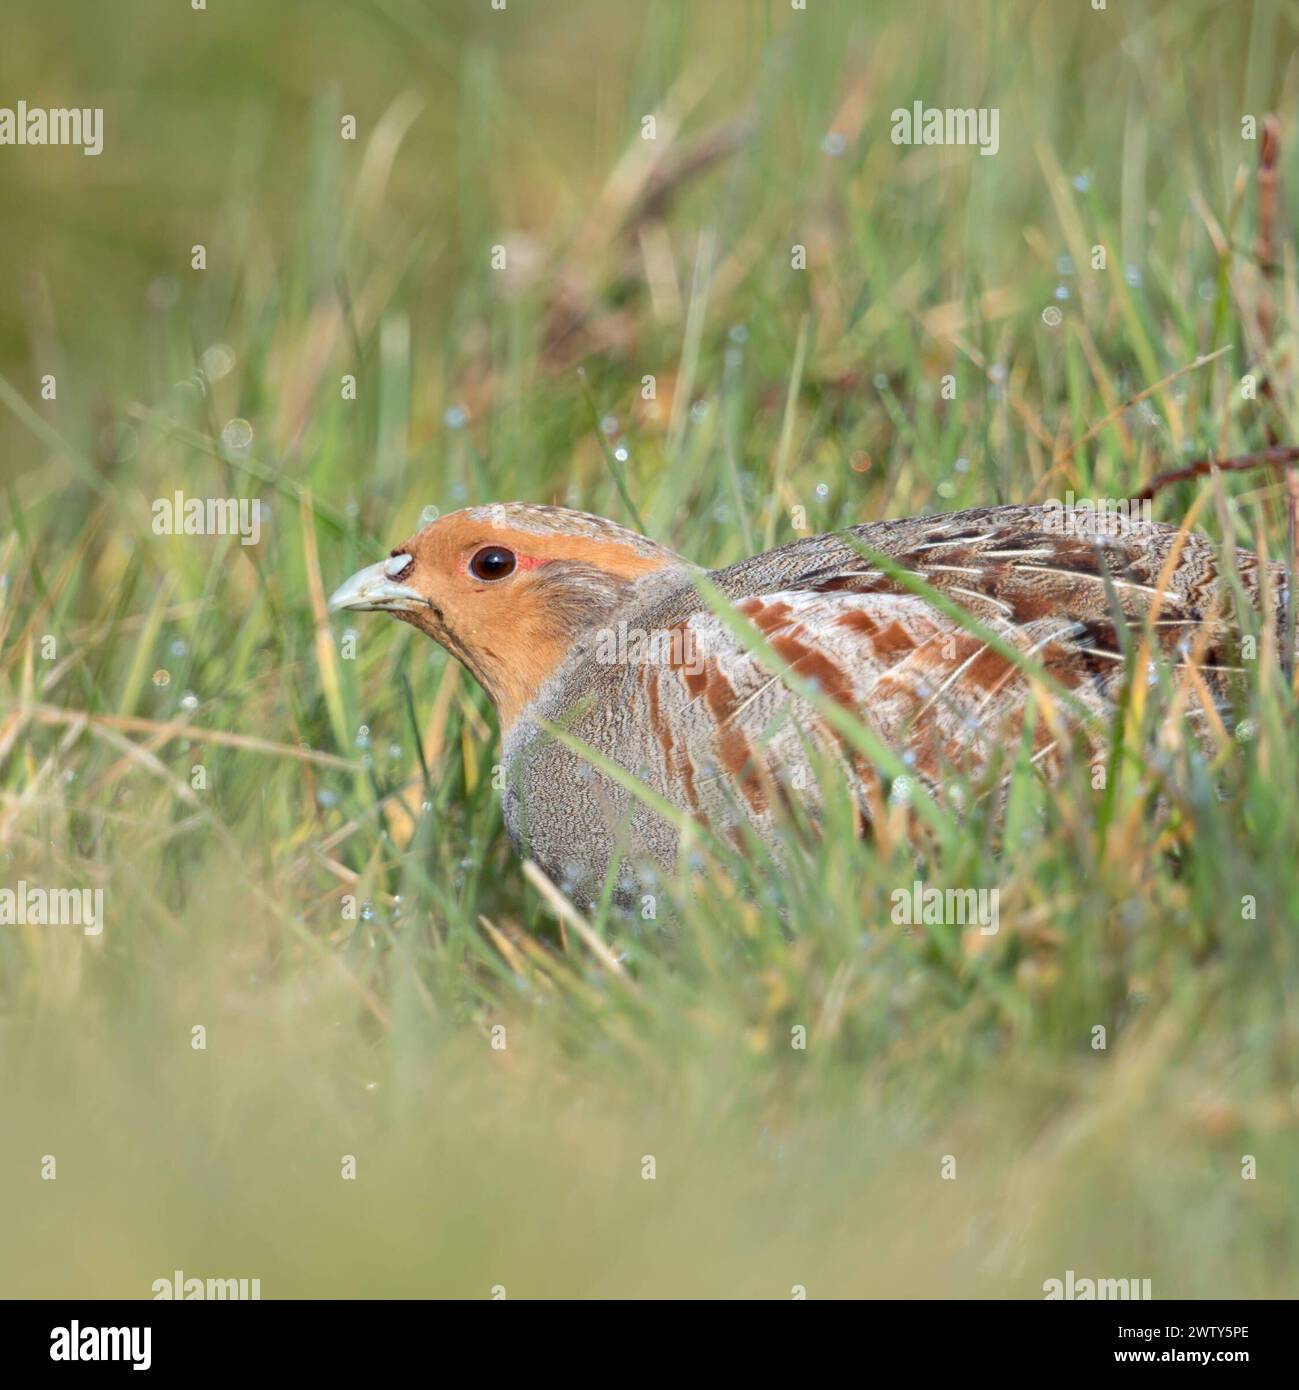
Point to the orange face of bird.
(506, 589)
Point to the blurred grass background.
(776, 389)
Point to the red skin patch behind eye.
(521, 562)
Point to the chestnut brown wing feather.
(934, 691)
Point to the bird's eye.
(492, 562)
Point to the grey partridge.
(588, 636)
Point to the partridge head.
(572, 623)
(509, 589)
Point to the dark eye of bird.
(493, 562)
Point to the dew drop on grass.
(1052, 317)
(363, 736)
(162, 678)
(236, 437)
(327, 798)
(189, 701)
(834, 144)
(179, 648)
(218, 361)
(455, 417)
(429, 515)
(621, 454)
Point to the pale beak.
(371, 589)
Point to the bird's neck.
(562, 622)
